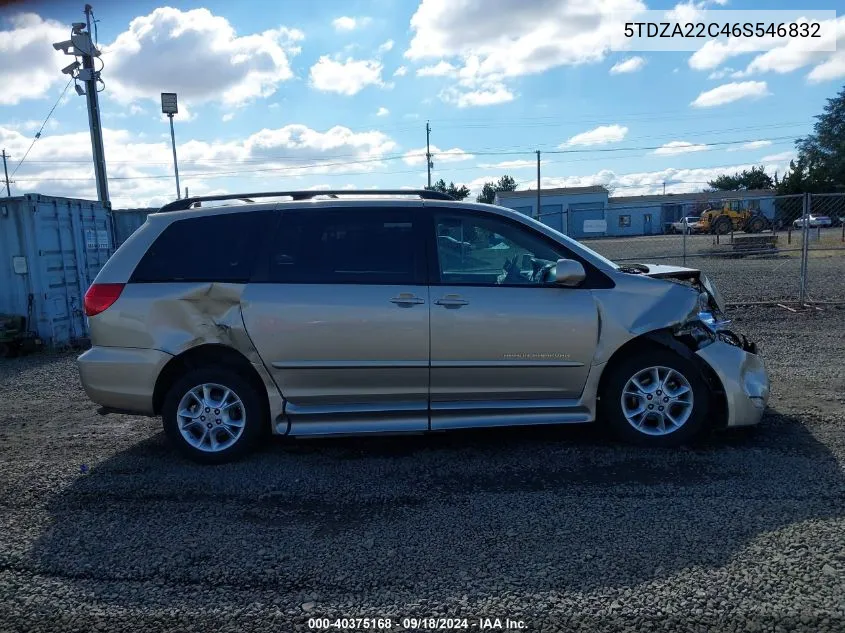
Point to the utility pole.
(538, 184)
(6, 173)
(664, 187)
(428, 162)
(81, 45)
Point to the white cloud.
(33, 125)
(382, 111)
(454, 155)
(601, 135)
(345, 77)
(228, 117)
(679, 147)
(31, 67)
(630, 65)
(651, 182)
(291, 151)
(781, 157)
(833, 68)
(685, 12)
(721, 73)
(785, 55)
(386, 46)
(401, 71)
(496, 93)
(509, 164)
(728, 93)
(214, 63)
(441, 69)
(346, 23)
(691, 10)
(750, 145)
(502, 43)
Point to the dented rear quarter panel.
(174, 317)
(177, 317)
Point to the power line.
(654, 147)
(216, 174)
(41, 129)
(479, 151)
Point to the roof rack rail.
(187, 203)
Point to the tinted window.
(217, 248)
(351, 245)
(486, 250)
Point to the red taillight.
(100, 297)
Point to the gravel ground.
(105, 529)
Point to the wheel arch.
(664, 338)
(207, 355)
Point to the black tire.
(722, 226)
(756, 225)
(611, 411)
(253, 411)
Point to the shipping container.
(127, 221)
(50, 251)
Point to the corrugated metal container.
(50, 251)
(127, 221)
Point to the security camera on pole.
(80, 45)
(170, 107)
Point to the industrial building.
(584, 212)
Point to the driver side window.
(478, 250)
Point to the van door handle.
(452, 301)
(407, 299)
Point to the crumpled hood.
(664, 271)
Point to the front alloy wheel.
(654, 397)
(657, 400)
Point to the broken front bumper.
(743, 376)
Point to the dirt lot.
(104, 529)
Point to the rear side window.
(215, 248)
(350, 245)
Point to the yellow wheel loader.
(735, 215)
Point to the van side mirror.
(569, 273)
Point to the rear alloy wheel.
(656, 398)
(213, 415)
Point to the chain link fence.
(764, 249)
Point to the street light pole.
(170, 107)
(175, 164)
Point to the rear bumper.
(122, 379)
(744, 380)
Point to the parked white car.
(688, 224)
(814, 221)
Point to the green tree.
(820, 166)
(490, 189)
(458, 193)
(754, 178)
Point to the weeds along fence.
(797, 256)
